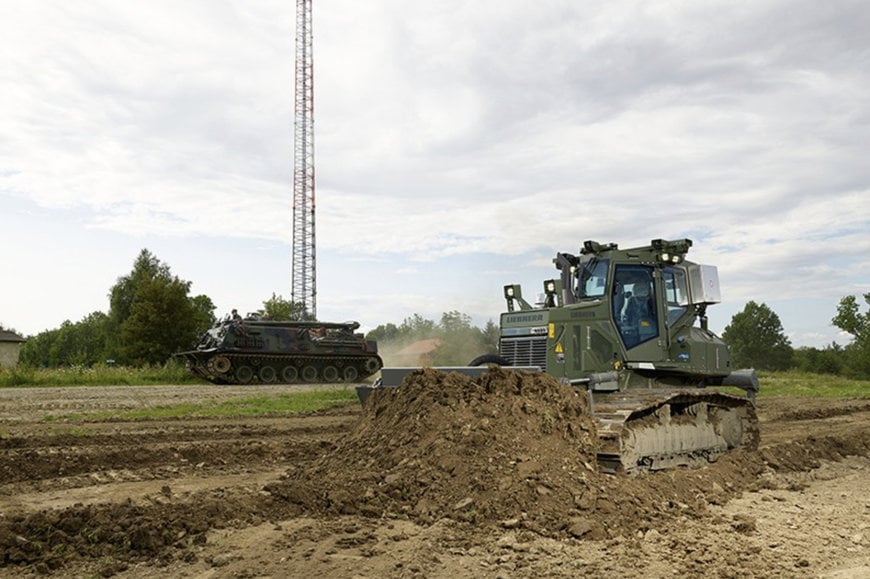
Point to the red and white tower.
(304, 285)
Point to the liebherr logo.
(518, 319)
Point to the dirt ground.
(493, 479)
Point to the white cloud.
(450, 130)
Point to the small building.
(10, 346)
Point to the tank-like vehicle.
(242, 351)
(629, 326)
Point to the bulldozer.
(629, 327)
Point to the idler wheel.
(372, 365)
(221, 364)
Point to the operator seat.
(640, 311)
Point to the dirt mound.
(509, 449)
(508, 446)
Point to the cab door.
(635, 308)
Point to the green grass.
(794, 383)
(279, 405)
(101, 375)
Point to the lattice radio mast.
(304, 290)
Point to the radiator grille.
(525, 351)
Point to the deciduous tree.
(81, 343)
(152, 316)
(277, 308)
(384, 333)
(460, 341)
(756, 339)
(850, 319)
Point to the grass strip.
(794, 383)
(277, 405)
(173, 372)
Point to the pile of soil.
(508, 447)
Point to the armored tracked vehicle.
(242, 351)
(629, 326)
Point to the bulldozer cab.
(648, 297)
(612, 309)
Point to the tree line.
(152, 316)
(459, 342)
(756, 339)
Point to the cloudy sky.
(459, 146)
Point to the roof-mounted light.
(551, 287)
(671, 251)
(590, 246)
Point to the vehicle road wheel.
(267, 374)
(330, 374)
(290, 374)
(350, 373)
(244, 374)
(309, 374)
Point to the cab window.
(592, 278)
(676, 293)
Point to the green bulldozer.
(629, 328)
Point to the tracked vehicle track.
(658, 429)
(238, 368)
